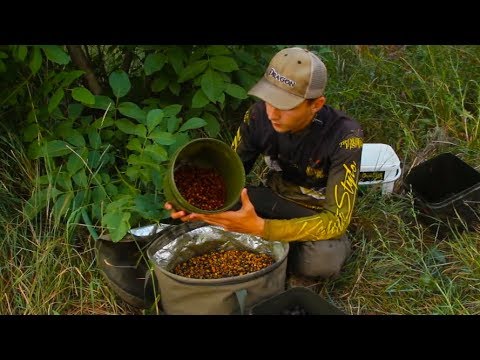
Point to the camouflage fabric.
(317, 168)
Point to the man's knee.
(324, 270)
(322, 258)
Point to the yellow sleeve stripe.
(236, 140)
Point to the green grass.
(41, 272)
(422, 100)
(400, 266)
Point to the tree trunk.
(81, 61)
(127, 60)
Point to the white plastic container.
(379, 165)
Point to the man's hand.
(174, 214)
(244, 220)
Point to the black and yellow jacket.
(317, 167)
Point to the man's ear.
(318, 103)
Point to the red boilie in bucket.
(203, 188)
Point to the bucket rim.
(160, 242)
(171, 179)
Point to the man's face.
(295, 119)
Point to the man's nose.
(273, 113)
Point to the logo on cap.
(279, 77)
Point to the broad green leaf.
(218, 50)
(63, 180)
(162, 137)
(123, 202)
(107, 158)
(172, 124)
(133, 172)
(80, 199)
(98, 194)
(221, 100)
(199, 100)
(197, 53)
(74, 163)
(225, 77)
(55, 148)
(56, 54)
(96, 179)
(151, 103)
(156, 152)
(74, 111)
(83, 95)
(236, 91)
(22, 52)
(94, 139)
(135, 145)
(55, 99)
(126, 126)
(31, 132)
(80, 178)
(3, 55)
(180, 140)
(120, 83)
(157, 178)
(213, 126)
(117, 224)
(62, 205)
(192, 70)
(223, 63)
(36, 60)
(63, 128)
(176, 57)
(111, 189)
(212, 85)
(129, 128)
(34, 150)
(141, 160)
(57, 114)
(246, 57)
(3, 67)
(193, 123)
(154, 62)
(174, 88)
(132, 110)
(46, 88)
(55, 78)
(94, 159)
(160, 82)
(74, 137)
(145, 176)
(70, 76)
(54, 193)
(32, 116)
(154, 117)
(36, 203)
(172, 110)
(103, 122)
(148, 206)
(105, 178)
(246, 80)
(103, 102)
(141, 131)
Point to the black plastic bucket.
(296, 301)
(447, 188)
